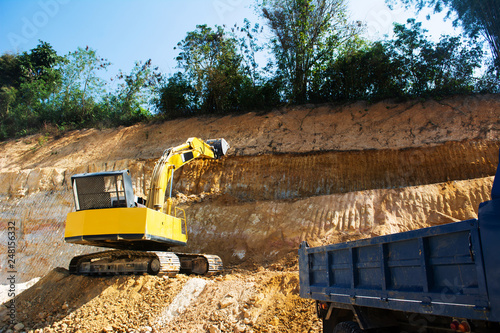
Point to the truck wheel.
(347, 327)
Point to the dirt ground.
(324, 174)
(260, 300)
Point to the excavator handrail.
(183, 218)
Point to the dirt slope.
(259, 301)
(317, 173)
(357, 126)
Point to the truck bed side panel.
(438, 269)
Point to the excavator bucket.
(220, 147)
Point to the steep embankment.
(357, 126)
(286, 176)
(316, 173)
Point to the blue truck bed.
(450, 270)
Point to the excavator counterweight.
(109, 215)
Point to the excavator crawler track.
(116, 262)
(201, 264)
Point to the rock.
(246, 313)
(146, 329)
(18, 327)
(65, 306)
(213, 329)
(226, 302)
(239, 328)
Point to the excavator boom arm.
(174, 158)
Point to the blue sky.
(125, 31)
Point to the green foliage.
(408, 66)
(440, 69)
(474, 17)
(82, 87)
(212, 66)
(10, 70)
(39, 88)
(249, 48)
(306, 33)
(39, 64)
(362, 74)
(316, 56)
(260, 89)
(128, 105)
(220, 74)
(178, 97)
(27, 82)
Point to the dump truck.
(140, 231)
(444, 278)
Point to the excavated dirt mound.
(242, 301)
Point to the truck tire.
(347, 327)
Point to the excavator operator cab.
(109, 189)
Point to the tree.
(27, 82)
(306, 34)
(39, 63)
(443, 68)
(364, 73)
(82, 86)
(10, 70)
(177, 98)
(129, 103)
(10, 73)
(410, 65)
(480, 16)
(38, 83)
(210, 60)
(249, 49)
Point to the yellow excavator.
(141, 231)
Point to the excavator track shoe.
(200, 264)
(169, 262)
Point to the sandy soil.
(318, 173)
(260, 300)
(305, 129)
